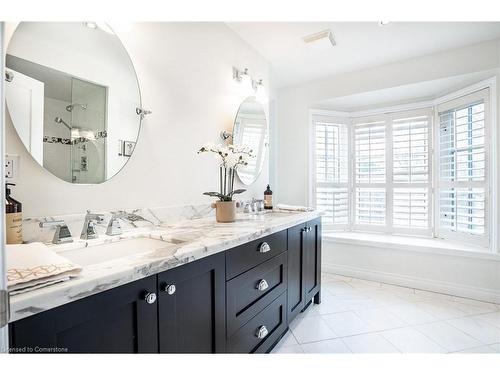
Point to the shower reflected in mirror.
(72, 99)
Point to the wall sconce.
(260, 91)
(243, 78)
(248, 84)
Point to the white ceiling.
(359, 44)
(402, 94)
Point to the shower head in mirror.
(71, 106)
(61, 121)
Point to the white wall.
(185, 74)
(470, 277)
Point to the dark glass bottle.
(13, 218)
(268, 199)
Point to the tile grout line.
(408, 325)
(422, 290)
(380, 287)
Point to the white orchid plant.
(231, 158)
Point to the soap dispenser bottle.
(13, 218)
(268, 199)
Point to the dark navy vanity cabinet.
(238, 301)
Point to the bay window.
(418, 172)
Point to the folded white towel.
(32, 266)
(289, 207)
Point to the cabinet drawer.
(246, 256)
(272, 318)
(250, 292)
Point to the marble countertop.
(185, 241)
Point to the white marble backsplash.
(32, 232)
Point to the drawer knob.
(170, 289)
(150, 298)
(262, 332)
(263, 285)
(264, 247)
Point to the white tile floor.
(359, 316)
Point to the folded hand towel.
(288, 207)
(32, 266)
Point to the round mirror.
(73, 97)
(250, 130)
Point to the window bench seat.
(409, 243)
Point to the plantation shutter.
(370, 172)
(411, 171)
(463, 184)
(332, 170)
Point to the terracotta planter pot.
(225, 212)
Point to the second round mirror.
(251, 130)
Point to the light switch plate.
(11, 167)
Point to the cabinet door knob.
(262, 332)
(170, 289)
(263, 285)
(150, 298)
(264, 247)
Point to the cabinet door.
(312, 261)
(296, 299)
(116, 321)
(192, 316)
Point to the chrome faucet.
(89, 231)
(255, 205)
(114, 228)
(62, 233)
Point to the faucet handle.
(50, 223)
(62, 233)
(94, 217)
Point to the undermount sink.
(115, 250)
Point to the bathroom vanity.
(225, 288)
(192, 286)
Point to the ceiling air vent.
(323, 39)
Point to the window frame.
(457, 104)
(389, 185)
(360, 121)
(491, 189)
(423, 112)
(339, 120)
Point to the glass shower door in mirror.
(88, 132)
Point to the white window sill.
(408, 243)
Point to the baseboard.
(459, 290)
